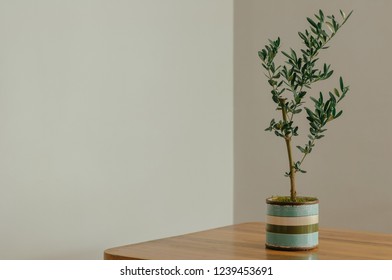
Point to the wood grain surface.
(246, 241)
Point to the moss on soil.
(299, 199)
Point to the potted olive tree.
(292, 221)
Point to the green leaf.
(272, 82)
(277, 43)
(313, 126)
(301, 149)
(293, 54)
(341, 84)
(310, 114)
(285, 54)
(314, 99)
(336, 92)
(278, 134)
(335, 24)
(338, 114)
(332, 97)
(312, 23)
(327, 106)
(301, 94)
(321, 15)
(261, 55)
(329, 74)
(343, 14)
(302, 36)
(330, 27)
(321, 99)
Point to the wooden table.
(246, 241)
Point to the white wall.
(116, 123)
(350, 169)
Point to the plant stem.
(304, 156)
(293, 191)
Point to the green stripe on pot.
(292, 210)
(291, 241)
(292, 229)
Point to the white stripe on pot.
(292, 221)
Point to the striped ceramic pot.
(292, 225)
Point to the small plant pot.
(292, 226)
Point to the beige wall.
(116, 123)
(350, 169)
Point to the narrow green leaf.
(286, 54)
(272, 82)
(338, 115)
(261, 55)
(277, 42)
(321, 99)
(329, 74)
(313, 126)
(311, 115)
(315, 32)
(343, 14)
(278, 134)
(335, 24)
(330, 26)
(332, 97)
(303, 37)
(321, 15)
(293, 54)
(341, 84)
(312, 22)
(301, 94)
(301, 149)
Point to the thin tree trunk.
(293, 191)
